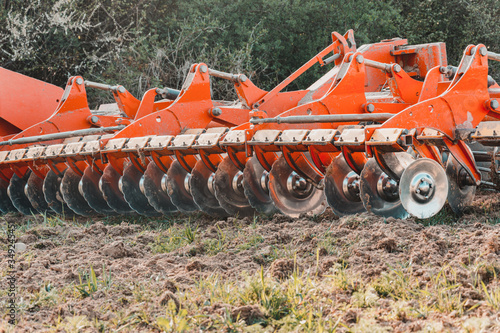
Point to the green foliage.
(142, 44)
(89, 283)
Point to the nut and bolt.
(483, 51)
(216, 112)
(203, 68)
(121, 89)
(494, 104)
(79, 81)
(397, 68)
(360, 59)
(370, 108)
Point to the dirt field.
(185, 273)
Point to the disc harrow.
(390, 128)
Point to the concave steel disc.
(34, 193)
(131, 189)
(109, 184)
(53, 196)
(201, 185)
(16, 193)
(342, 188)
(89, 184)
(379, 193)
(157, 197)
(177, 186)
(256, 187)
(229, 189)
(72, 196)
(423, 188)
(292, 194)
(460, 194)
(6, 205)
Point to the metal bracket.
(351, 137)
(321, 137)
(291, 137)
(264, 137)
(159, 142)
(136, 144)
(234, 138)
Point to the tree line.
(141, 44)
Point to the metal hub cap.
(120, 184)
(186, 182)
(210, 183)
(237, 182)
(164, 183)
(350, 185)
(80, 186)
(298, 186)
(422, 187)
(141, 186)
(264, 181)
(387, 188)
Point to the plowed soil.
(355, 273)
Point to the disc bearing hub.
(422, 187)
(350, 186)
(237, 182)
(298, 186)
(387, 188)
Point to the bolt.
(494, 104)
(94, 119)
(397, 68)
(370, 108)
(483, 51)
(243, 78)
(203, 68)
(472, 50)
(350, 58)
(216, 112)
(360, 59)
(300, 183)
(121, 89)
(79, 81)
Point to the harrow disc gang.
(379, 193)
(109, 184)
(256, 187)
(292, 194)
(5, 203)
(132, 191)
(34, 193)
(423, 188)
(203, 192)
(16, 192)
(176, 184)
(342, 188)
(229, 189)
(72, 193)
(157, 196)
(89, 185)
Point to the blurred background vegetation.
(146, 43)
